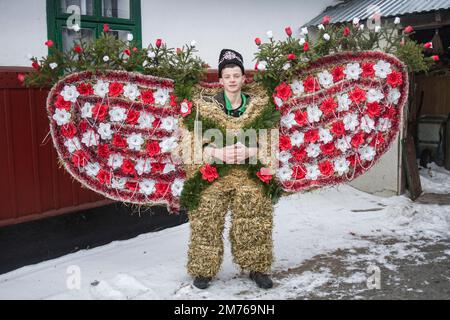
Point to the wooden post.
(411, 169)
(447, 146)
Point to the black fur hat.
(228, 56)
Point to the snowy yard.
(324, 242)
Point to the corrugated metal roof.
(362, 9)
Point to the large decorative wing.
(116, 133)
(338, 118)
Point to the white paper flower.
(269, 34)
(143, 166)
(104, 130)
(382, 69)
(53, 65)
(117, 114)
(302, 41)
(184, 107)
(361, 27)
(169, 167)
(145, 120)
(304, 31)
(327, 37)
(321, 27)
(135, 141)
(367, 124)
(288, 120)
(313, 150)
(101, 88)
(147, 186)
(312, 172)
(284, 156)
(169, 123)
(367, 153)
(377, 29)
(177, 187)
(145, 63)
(341, 165)
(262, 65)
(325, 135)
(73, 144)
(343, 102)
(278, 102)
(297, 87)
(284, 173)
(168, 144)
(90, 138)
(131, 91)
(86, 110)
(384, 124)
(314, 113)
(193, 43)
(92, 169)
(374, 95)
(325, 78)
(350, 121)
(115, 160)
(352, 71)
(118, 183)
(105, 58)
(130, 37)
(151, 54)
(396, 20)
(70, 93)
(356, 20)
(286, 66)
(61, 117)
(297, 138)
(393, 96)
(343, 143)
(161, 95)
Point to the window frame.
(57, 20)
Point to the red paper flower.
(283, 91)
(104, 177)
(377, 139)
(428, 45)
(298, 172)
(68, 130)
(132, 186)
(301, 117)
(338, 73)
(77, 48)
(83, 125)
(115, 89)
(311, 135)
(310, 84)
(35, 65)
(132, 116)
(118, 141)
(264, 175)
(357, 140)
(85, 89)
(173, 100)
(346, 31)
(367, 70)
(357, 95)
(394, 79)
(103, 150)
(160, 190)
(158, 167)
(338, 128)
(147, 97)
(285, 143)
(291, 56)
(306, 46)
(352, 160)
(328, 106)
(209, 173)
(326, 20)
(49, 43)
(21, 77)
(99, 111)
(435, 58)
(128, 167)
(80, 158)
(62, 104)
(105, 28)
(326, 168)
(185, 108)
(288, 31)
(158, 43)
(373, 109)
(390, 112)
(328, 149)
(299, 154)
(127, 52)
(153, 148)
(409, 29)
(257, 41)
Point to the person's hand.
(242, 152)
(226, 154)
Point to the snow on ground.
(152, 266)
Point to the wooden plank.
(411, 169)
(447, 146)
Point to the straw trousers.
(251, 226)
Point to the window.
(123, 17)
